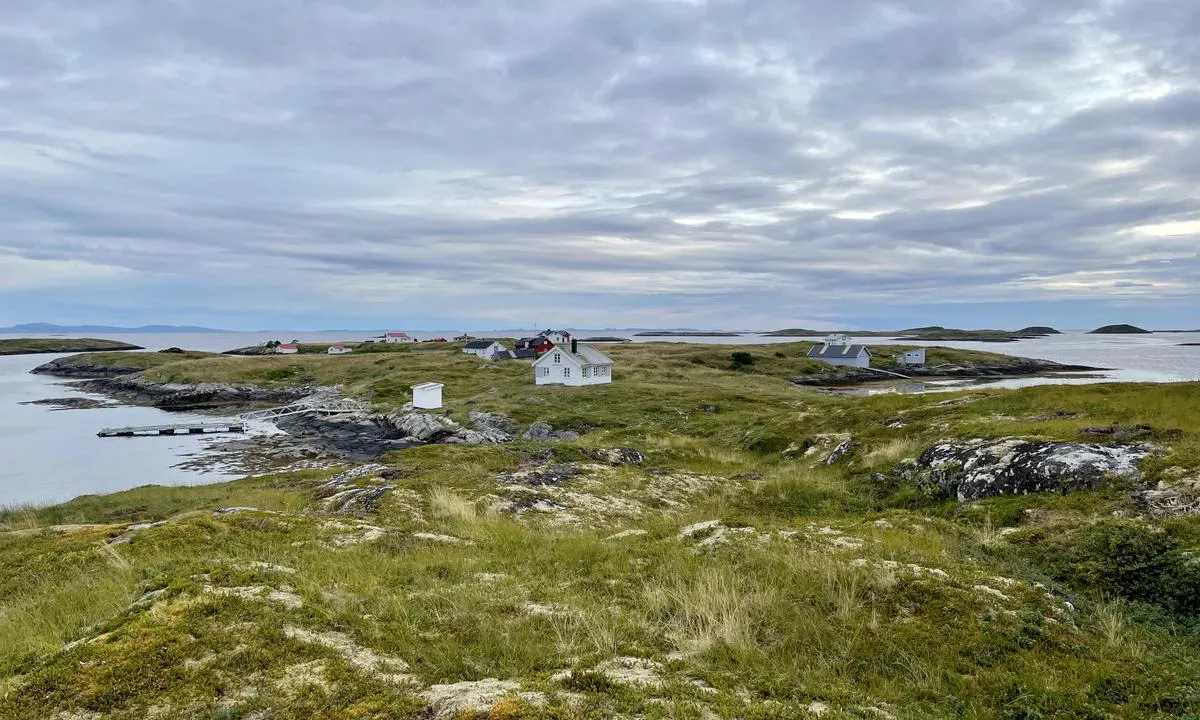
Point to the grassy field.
(731, 574)
(33, 346)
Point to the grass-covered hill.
(728, 571)
(35, 346)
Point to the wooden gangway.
(239, 424)
(195, 428)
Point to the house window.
(557, 358)
(566, 372)
(587, 372)
(545, 372)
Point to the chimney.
(574, 347)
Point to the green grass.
(822, 584)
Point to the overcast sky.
(591, 163)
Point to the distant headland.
(1119, 330)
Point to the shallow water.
(53, 455)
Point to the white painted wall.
(568, 371)
(427, 396)
(861, 362)
(486, 353)
(912, 357)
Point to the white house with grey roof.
(486, 349)
(838, 350)
(573, 365)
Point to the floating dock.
(197, 428)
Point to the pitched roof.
(584, 355)
(479, 344)
(503, 355)
(288, 346)
(834, 352)
(524, 354)
(397, 334)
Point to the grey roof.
(835, 352)
(584, 354)
(479, 345)
(503, 355)
(524, 354)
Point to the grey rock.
(538, 432)
(354, 437)
(614, 456)
(550, 474)
(135, 389)
(497, 427)
(1015, 466)
(424, 427)
(358, 501)
(840, 451)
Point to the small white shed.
(338, 350)
(427, 396)
(913, 358)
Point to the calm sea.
(54, 455)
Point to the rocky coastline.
(1017, 367)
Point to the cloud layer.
(719, 162)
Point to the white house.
(287, 349)
(573, 364)
(837, 350)
(486, 349)
(338, 350)
(556, 337)
(398, 337)
(427, 396)
(914, 358)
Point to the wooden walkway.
(196, 428)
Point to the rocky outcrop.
(71, 367)
(1014, 367)
(496, 427)
(977, 469)
(136, 390)
(542, 431)
(614, 456)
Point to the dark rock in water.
(614, 456)
(1014, 466)
(72, 403)
(840, 451)
(1012, 367)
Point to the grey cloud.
(923, 149)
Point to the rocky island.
(1119, 330)
(933, 333)
(37, 346)
(702, 538)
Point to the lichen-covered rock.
(542, 431)
(614, 456)
(424, 427)
(840, 451)
(1015, 466)
(496, 427)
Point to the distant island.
(52, 329)
(1119, 330)
(676, 333)
(37, 346)
(931, 333)
(606, 339)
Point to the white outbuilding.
(287, 349)
(427, 395)
(486, 349)
(574, 365)
(338, 350)
(911, 358)
(399, 337)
